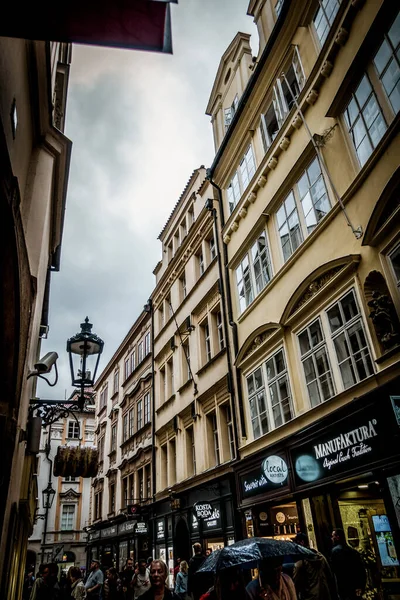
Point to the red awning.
(132, 24)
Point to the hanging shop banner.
(160, 529)
(353, 442)
(141, 528)
(272, 474)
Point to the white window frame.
(201, 263)
(140, 352)
(394, 57)
(217, 449)
(125, 427)
(229, 112)
(116, 381)
(213, 250)
(182, 281)
(68, 517)
(113, 442)
(139, 414)
(249, 264)
(329, 18)
(74, 428)
(241, 178)
(147, 344)
(132, 360)
(220, 329)
(396, 275)
(146, 413)
(131, 422)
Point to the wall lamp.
(48, 495)
(84, 350)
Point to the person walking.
(158, 589)
(141, 579)
(181, 584)
(348, 568)
(78, 591)
(193, 587)
(271, 583)
(126, 577)
(95, 580)
(313, 578)
(46, 586)
(112, 586)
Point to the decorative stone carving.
(341, 37)
(284, 144)
(243, 212)
(311, 97)
(315, 286)
(235, 226)
(252, 197)
(227, 238)
(258, 341)
(272, 163)
(383, 313)
(262, 181)
(297, 121)
(326, 69)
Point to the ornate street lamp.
(48, 495)
(84, 351)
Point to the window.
(127, 371)
(281, 99)
(364, 120)
(207, 341)
(394, 258)
(133, 360)
(146, 409)
(69, 479)
(190, 452)
(140, 352)
(324, 18)
(101, 448)
(316, 365)
(387, 64)
(112, 498)
(183, 229)
(220, 330)
(241, 178)
(201, 263)
(113, 446)
(278, 7)
(230, 111)
(231, 438)
(73, 430)
(131, 422)
(186, 362)
(213, 252)
(172, 462)
(116, 381)
(139, 414)
(169, 306)
(191, 216)
(103, 397)
(67, 517)
(125, 492)
(183, 285)
(258, 404)
(215, 438)
(254, 272)
(349, 339)
(279, 389)
(141, 486)
(161, 316)
(147, 347)
(124, 428)
(304, 207)
(148, 481)
(270, 404)
(170, 377)
(98, 503)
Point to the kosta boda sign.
(203, 510)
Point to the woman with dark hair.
(78, 591)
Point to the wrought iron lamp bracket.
(51, 411)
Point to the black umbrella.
(249, 552)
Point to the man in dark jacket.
(313, 577)
(348, 568)
(195, 563)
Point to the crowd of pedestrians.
(312, 577)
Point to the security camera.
(45, 364)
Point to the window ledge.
(388, 354)
(212, 360)
(166, 403)
(185, 385)
(114, 395)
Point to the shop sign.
(160, 530)
(211, 518)
(203, 510)
(213, 521)
(195, 523)
(141, 528)
(95, 535)
(110, 531)
(126, 527)
(349, 444)
(272, 474)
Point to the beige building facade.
(307, 174)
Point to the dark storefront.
(114, 544)
(176, 528)
(343, 471)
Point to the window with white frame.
(113, 445)
(147, 345)
(207, 339)
(241, 179)
(254, 271)
(140, 352)
(183, 285)
(349, 339)
(336, 335)
(279, 389)
(220, 330)
(103, 397)
(229, 425)
(146, 408)
(213, 252)
(387, 64)
(116, 381)
(258, 403)
(186, 361)
(394, 258)
(69, 478)
(200, 258)
(127, 370)
(230, 111)
(98, 505)
(67, 517)
(111, 504)
(304, 207)
(100, 446)
(281, 99)
(216, 439)
(124, 428)
(324, 18)
(73, 430)
(278, 7)
(131, 422)
(364, 120)
(133, 361)
(139, 414)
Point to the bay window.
(241, 178)
(324, 18)
(254, 271)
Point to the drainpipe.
(46, 514)
(228, 304)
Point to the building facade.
(123, 486)
(59, 533)
(307, 176)
(34, 160)
(195, 417)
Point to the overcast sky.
(138, 126)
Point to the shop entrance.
(182, 540)
(368, 530)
